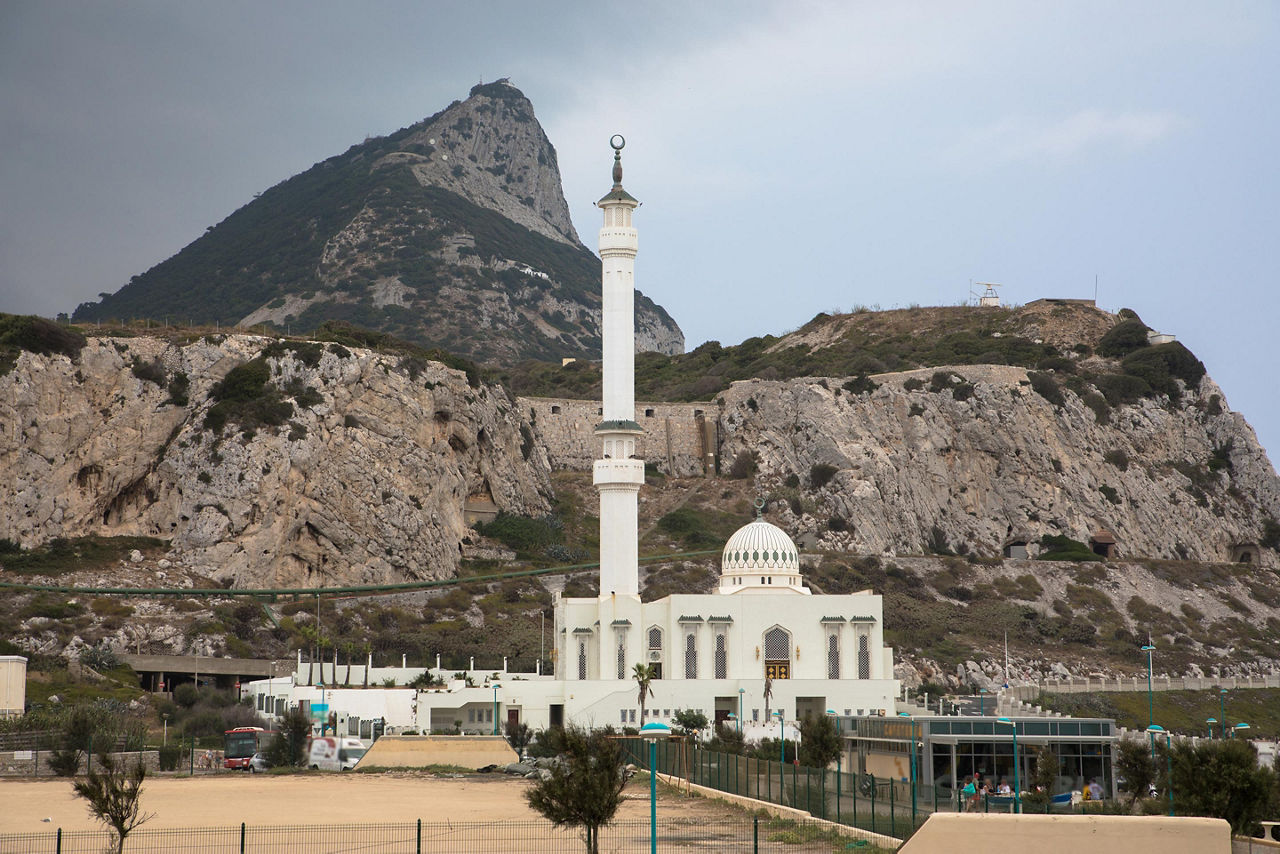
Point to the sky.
(792, 157)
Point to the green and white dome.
(760, 558)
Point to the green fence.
(747, 834)
(878, 804)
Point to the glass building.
(951, 749)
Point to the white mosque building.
(761, 644)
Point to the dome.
(760, 558)
(760, 545)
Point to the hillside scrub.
(32, 334)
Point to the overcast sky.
(792, 157)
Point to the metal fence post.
(824, 794)
(755, 834)
(873, 802)
(419, 848)
(837, 795)
(58, 846)
(893, 816)
(793, 785)
(242, 837)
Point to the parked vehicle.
(241, 743)
(258, 763)
(335, 753)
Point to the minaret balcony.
(618, 472)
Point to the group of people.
(976, 789)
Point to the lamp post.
(1222, 710)
(1149, 649)
(651, 732)
(982, 702)
(166, 729)
(1239, 727)
(1017, 797)
(1210, 722)
(1168, 757)
(741, 691)
(496, 686)
(913, 765)
(736, 722)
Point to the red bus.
(239, 745)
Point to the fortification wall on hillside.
(681, 439)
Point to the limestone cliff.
(347, 466)
(972, 458)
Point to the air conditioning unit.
(655, 655)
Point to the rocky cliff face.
(978, 459)
(363, 479)
(450, 233)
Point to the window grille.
(833, 657)
(655, 638)
(777, 644)
(690, 656)
(582, 660)
(864, 657)
(622, 660)
(722, 658)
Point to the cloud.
(1030, 138)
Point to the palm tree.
(644, 674)
(768, 695)
(365, 649)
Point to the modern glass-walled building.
(951, 749)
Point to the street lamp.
(1168, 756)
(736, 722)
(165, 715)
(1222, 711)
(651, 732)
(1238, 727)
(496, 686)
(1017, 797)
(741, 691)
(1210, 722)
(1149, 649)
(913, 765)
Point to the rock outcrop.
(364, 482)
(921, 470)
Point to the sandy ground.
(262, 799)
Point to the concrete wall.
(13, 685)
(35, 763)
(947, 833)
(418, 751)
(673, 440)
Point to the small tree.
(690, 722)
(819, 741)
(519, 736)
(289, 748)
(1043, 776)
(644, 674)
(727, 739)
(585, 787)
(1222, 779)
(1135, 764)
(114, 794)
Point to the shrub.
(1221, 457)
(861, 384)
(1047, 387)
(152, 371)
(913, 384)
(1098, 403)
(1061, 364)
(524, 535)
(1110, 493)
(1161, 365)
(1117, 458)
(1122, 388)
(100, 658)
(745, 465)
(820, 474)
(1058, 547)
(246, 395)
(179, 388)
(1124, 338)
(1270, 538)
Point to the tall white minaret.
(618, 474)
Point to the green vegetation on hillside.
(61, 555)
(35, 335)
(1182, 712)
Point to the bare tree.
(114, 791)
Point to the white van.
(335, 753)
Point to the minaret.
(618, 474)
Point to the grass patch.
(81, 553)
(1183, 712)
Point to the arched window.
(777, 653)
(864, 657)
(833, 656)
(622, 657)
(722, 658)
(582, 659)
(690, 656)
(655, 651)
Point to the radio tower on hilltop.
(618, 474)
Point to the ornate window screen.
(777, 644)
(690, 656)
(582, 659)
(833, 656)
(655, 638)
(722, 658)
(864, 657)
(622, 657)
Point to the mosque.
(760, 646)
